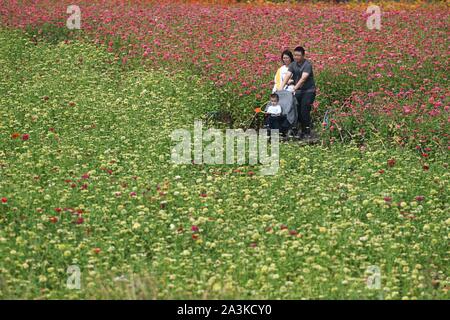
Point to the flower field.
(86, 178)
(388, 84)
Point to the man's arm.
(302, 80)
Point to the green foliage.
(99, 149)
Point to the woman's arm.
(277, 80)
(286, 79)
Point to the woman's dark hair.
(287, 53)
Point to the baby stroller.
(288, 105)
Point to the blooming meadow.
(86, 177)
(389, 84)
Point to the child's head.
(274, 98)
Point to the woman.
(289, 117)
(286, 58)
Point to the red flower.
(195, 236)
(194, 229)
(425, 167)
(53, 219)
(203, 194)
(25, 137)
(97, 250)
(381, 171)
(283, 227)
(79, 220)
(391, 162)
(58, 210)
(4, 200)
(15, 135)
(387, 199)
(420, 198)
(425, 155)
(293, 232)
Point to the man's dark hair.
(274, 95)
(300, 49)
(287, 53)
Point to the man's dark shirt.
(297, 70)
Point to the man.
(304, 89)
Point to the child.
(273, 113)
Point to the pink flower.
(406, 110)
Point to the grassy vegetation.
(86, 179)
